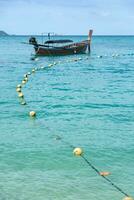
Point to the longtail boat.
(61, 47)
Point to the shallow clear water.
(89, 103)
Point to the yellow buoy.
(23, 82)
(57, 138)
(33, 70)
(21, 95)
(32, 114)
(78, 151)
(42, 67)
(29, 73)
(26, 79)
(18, 86)
(18, 89)
(23, 103)
(25, 75)
(105, 173)
(50, 65)
(128, 198)
(99, 56)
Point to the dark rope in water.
(94, 168)
(107, 179)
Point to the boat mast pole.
(90, 34)
(49, 36)
(89, 39)
(42, 38)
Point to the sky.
(105, 17)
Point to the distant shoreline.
(3, 33)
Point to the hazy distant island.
(3, 33)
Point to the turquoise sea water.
(89, 103)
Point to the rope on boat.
(77, 151)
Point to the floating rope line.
(76, 150)
(28, 74)
(104, 176)
(113, 55)
(79, 152)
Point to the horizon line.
(67, 35)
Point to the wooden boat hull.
(78, 48)
(50, 49)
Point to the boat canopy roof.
(57, 41)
